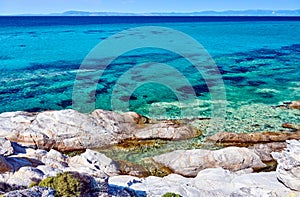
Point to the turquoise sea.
(257, 57)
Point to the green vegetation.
(32, 184)
(74, 153)
(64, 183)
(169, 194)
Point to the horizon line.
(170, 13)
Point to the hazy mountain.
(203, 13)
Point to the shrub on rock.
(70, 184)
(169, 194)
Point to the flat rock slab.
(190, 162)
(68, 130)
(228, 138)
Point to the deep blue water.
(88, 20)
(258, 58)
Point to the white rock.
(190, 162)
(15, 121)
(68, 130)
(208, 182)
(6, 147)
(25, 175)
(93, 163)
(32, 192)
(48, 170)
(55, 159)
(288, 168)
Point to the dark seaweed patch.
(34, 109)
(5, 57)
(127, 98)
(60, 90)
(101, 91)
(266, 95)
(250, 58)
(256, 83)
(239, 60)
(62, 65)
(93, 31)
(10, 91)
(65, 103)
(68, 31)
(263, 64)
(132, 97)
(199, 89)
(28, 95)
(242, 69)
(222, 70)
(234, 79)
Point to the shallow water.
(258, 58)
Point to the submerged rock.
(263, 143)
(264, 150)
(132, 169)
(288, 168)
(154, 168)
(169, 130)
(290, 105)
(291, 126)
(68, 130)
(295, 105)
(227, 138)
(190, 162)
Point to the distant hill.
(203, 13)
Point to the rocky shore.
(39, 150)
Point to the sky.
(10, 7)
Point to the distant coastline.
(202, 13)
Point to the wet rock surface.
(68, 130)
(294, 105)
(228, 138)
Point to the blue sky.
(139, 6)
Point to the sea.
(249, 64)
